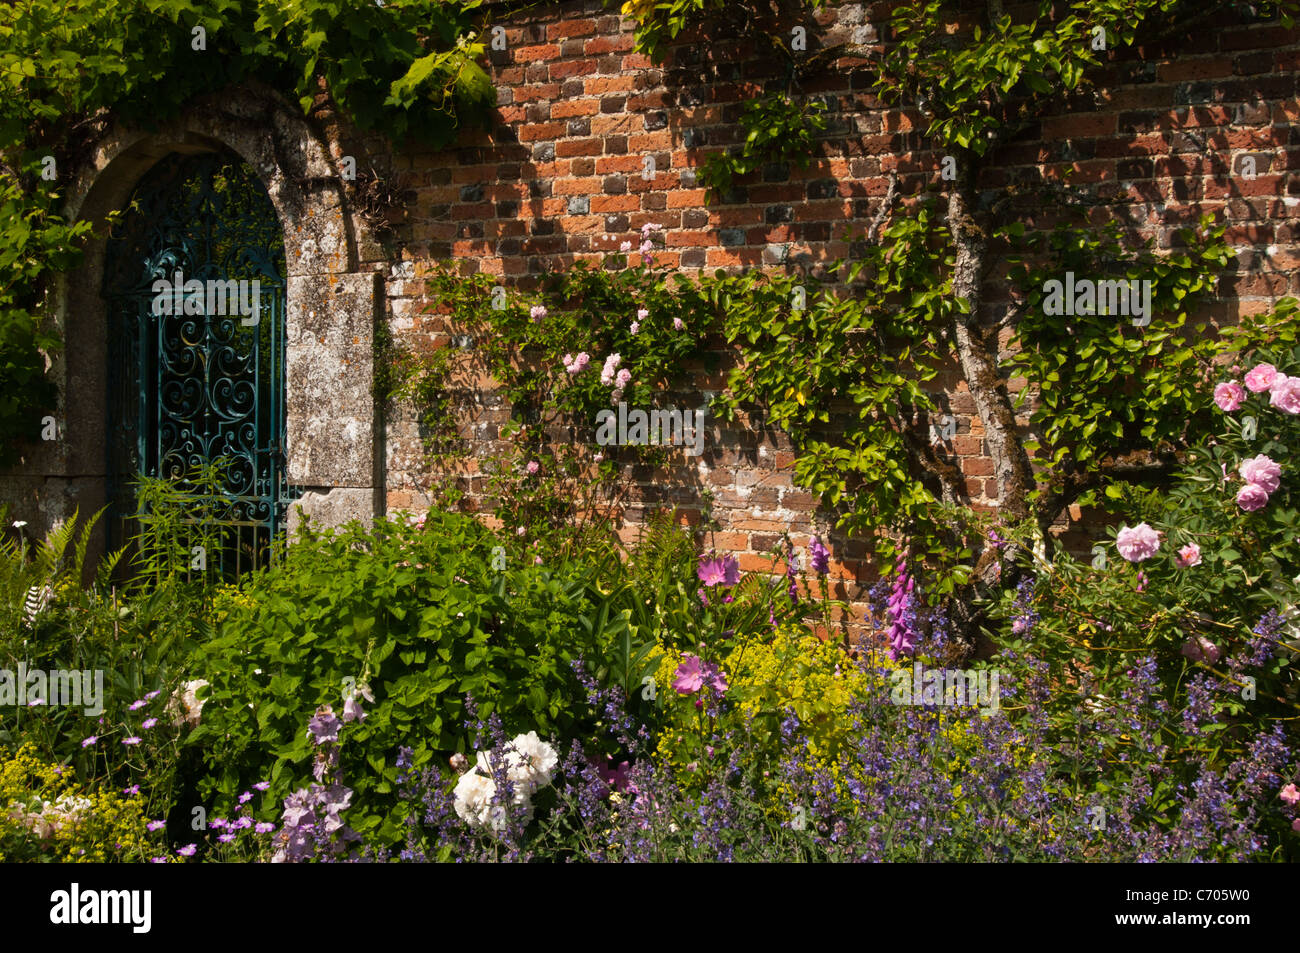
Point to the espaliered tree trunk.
(977, 347)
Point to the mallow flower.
(719, 570)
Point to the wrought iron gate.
(194, 379)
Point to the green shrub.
(421, 615)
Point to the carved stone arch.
(333, 306)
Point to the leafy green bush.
(420, 615)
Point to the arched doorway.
(195, 287)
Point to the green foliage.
(844, 374)
(421, 616)
(1003, 74)
(32, 238)
(1104, 386)
(777, 129)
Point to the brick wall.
(558, 180)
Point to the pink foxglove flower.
(1229, 396)
(1137, 543)
(1260, 378)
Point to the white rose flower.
(540, 758)
(184, 705)
(474, 806)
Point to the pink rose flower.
(537, 312)
(1229, 396)
(624, 378)
(1137, 543)
(1285, 394)
(678, 324)
(1189, 555)
(1290, 794)
(625, 246)
(1260, 378)
(1262, 472)
(1252, 497)
(636, 326)
(533, 467)
(642, 314)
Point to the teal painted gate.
(194, 281)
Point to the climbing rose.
(1229, 396)
(1137, 543)
(678, 324)
(1189, 555)
(624, 378)
(1252, 497)
(1260, 378)
(533, 466)
(1262, 472)
(636, 326)
(1290, 794)
(642, 314)
(537, 312)
(625, 246)
(1285, 394)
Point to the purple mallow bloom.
(719, 571)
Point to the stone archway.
(334, 454)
